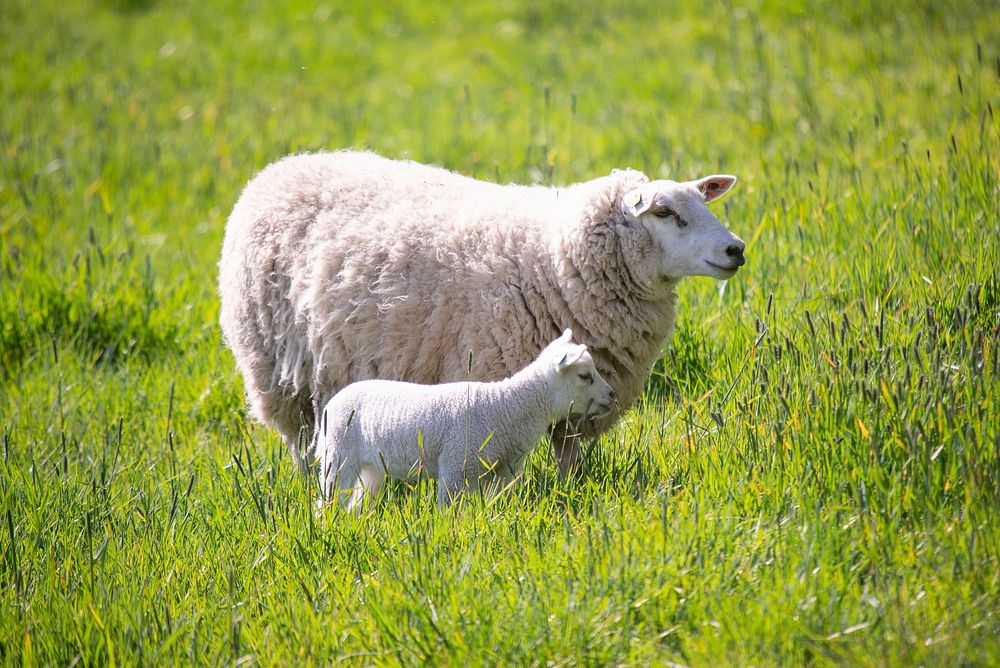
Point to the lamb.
(346, 266)
(465, 435)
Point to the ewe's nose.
(735, 251)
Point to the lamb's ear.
(562, 363)
(635, 203)
(715, 186)
(566, 336)
(571, 357)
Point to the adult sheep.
(346, 266)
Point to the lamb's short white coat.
(345, 266)
(464, 435)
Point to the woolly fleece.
(346, 266)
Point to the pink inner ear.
(713, 188)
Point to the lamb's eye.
(587, 377)
(664, 213)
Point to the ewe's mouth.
(729, 270)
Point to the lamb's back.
(396, 424)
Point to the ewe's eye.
(587, 377)
(665, 212)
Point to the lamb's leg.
(368, 485)
(566, 448)
(355, 495)
(339, 475)
(451, 485)
(344, 488)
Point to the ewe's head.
(579, 389)
(689, 240)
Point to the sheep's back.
(346, 266)
(387, 269)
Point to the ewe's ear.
(635, 203)
(715, 186)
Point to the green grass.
(811, 477)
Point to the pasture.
(812, 475)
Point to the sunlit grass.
(811, 476)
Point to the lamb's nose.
(735, 251)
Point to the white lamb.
(346, 266)
(465, 435)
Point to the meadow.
(812, 476)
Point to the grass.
(811, 477)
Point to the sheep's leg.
(566, 448)
(492, 484)
(299, 434)
(507, 474)
(497, 479)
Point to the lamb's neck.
(524, 406)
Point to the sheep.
(346, 266)
(465, 435)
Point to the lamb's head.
(578, 389)
(689, 240)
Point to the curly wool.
(339, 267)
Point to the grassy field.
(811, 477)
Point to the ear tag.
(632, 199)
